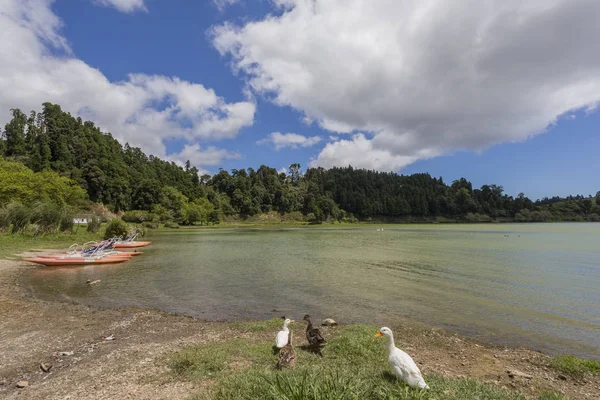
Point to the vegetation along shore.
(59, 166)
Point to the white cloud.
(126, 6)
(291, 140)
(352, 152)
(199, 157)
(424, 77)
(142, 110)
(282, 170)
(222, 4)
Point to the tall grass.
(575, 367)
(19, 217)
(42, 217)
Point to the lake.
(531, 285)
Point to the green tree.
(174, 201)
(14, 132)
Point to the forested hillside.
(123, 178)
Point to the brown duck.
(313, 335)
(287, 355)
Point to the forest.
(52, 159)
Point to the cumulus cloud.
(291, 140)
(421, 77)
(351, 152)
(199, 157)
(222, 4)
(126, 6)
(36, 66)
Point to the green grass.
(575, 367)
(15, 244)
(354, 366)
(271, 325)
(550, 396)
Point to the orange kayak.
(122, 254)
(131, 245)
(53, 262)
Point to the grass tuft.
(551, 396)
(575, 367)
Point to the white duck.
(402, 364)
(282, 336)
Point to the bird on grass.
(402, 364)
(314, 337)
(287, 355)
(281, 339)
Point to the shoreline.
(134, 364)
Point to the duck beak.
(378, 334)
(291, 321)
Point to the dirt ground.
(133, 366)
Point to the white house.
(81, 220)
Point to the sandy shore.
(133, 364)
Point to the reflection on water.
(538, 287)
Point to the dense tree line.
(124, 179)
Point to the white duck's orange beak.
(378, 334)
(291, 321)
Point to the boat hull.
(131, 245)
(67, 256)
(53, 262)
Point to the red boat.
(54, 262)
(131, 245)
(124, 254)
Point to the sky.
(502, 92)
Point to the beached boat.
(131, 245)
(107, 254)
(61, 262)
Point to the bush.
(94, 224)
(136, 216)
(4, 219)
(102, 212)
(172, 225)
(592, 217)
(116, 228)
(19, 216)
(213, 217)
(310, 217)
(151, 225)
(66, 222)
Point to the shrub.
(172, 225)
(213, 217)
(4, 219)
(151, 225)
(19, 216)
(115, 228)
(46, 216)
(94, 224)
(102, 212)
(593, 217)
(136, 216)
(310, 217)
(66, 221)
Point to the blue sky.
(395, 103)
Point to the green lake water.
(531, 285)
